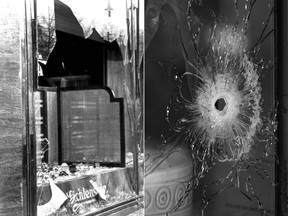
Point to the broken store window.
(88, 114)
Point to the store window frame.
(29, 82)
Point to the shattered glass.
(218, 107)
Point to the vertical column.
(11, 116)
(282, 93)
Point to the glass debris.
(86, 188)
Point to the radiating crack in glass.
(224, 118)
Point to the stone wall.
(11, 121)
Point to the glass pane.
(210, 111)
(46, 29)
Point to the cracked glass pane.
(218, 71)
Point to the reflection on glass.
(46, 29)
(88, 106)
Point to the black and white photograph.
(144, 107)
